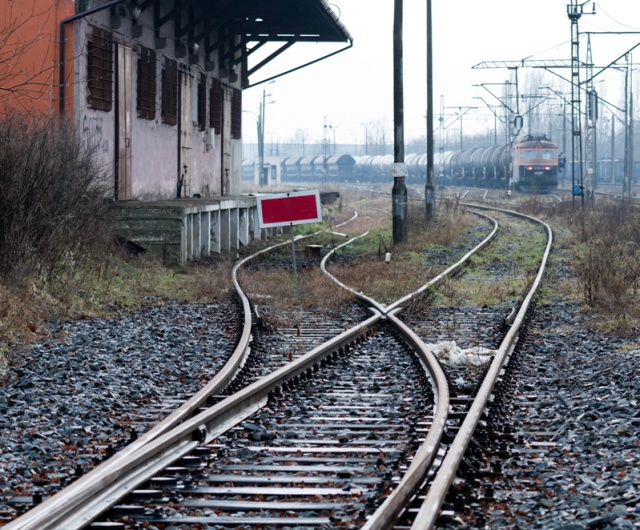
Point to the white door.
(123, 132)
(225, 178)
(186, 129)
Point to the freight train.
(530, 166)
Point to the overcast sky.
(356, 86)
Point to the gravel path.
(67, 402)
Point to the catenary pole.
(429, 190)
(399, 191)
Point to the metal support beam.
(590, 119)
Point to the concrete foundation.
(182, 230)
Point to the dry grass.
(373, 212)
(362, 266)
(365, 268)
(277, 291)
(99, 289)
(101, 286)
(604, 242)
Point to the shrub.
(53, 198)
(607, 265)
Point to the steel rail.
(621, 197)
(430, 509)
(452, 268)
(427, 452)
(71, 498)
(120, 476)
(358, 294)
(419, 292)
(218, 418)
(141, 465)
(415, 475)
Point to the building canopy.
(232, 30)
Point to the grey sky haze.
(356, 86)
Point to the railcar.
(530, 166)
(291, 168)
(340, 167)
(306, 168)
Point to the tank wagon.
(529, 166)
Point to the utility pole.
(429, 190)
(627, 182)
(366, 137)
(612, 170)
(441, 119)
(325, 144)
(565, 102)
(399, 172)
(590, 119)
(261, 176)
(564, 138)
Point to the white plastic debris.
(450, 354)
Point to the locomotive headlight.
(530, 168)
(547, 168)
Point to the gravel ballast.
(68, 402)
(577, 397)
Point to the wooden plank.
(246, 521)
(327, 450)
(293, 469)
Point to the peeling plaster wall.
(97, 127)
(155, 145)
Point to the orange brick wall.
(29, 60)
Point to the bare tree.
(26, 67)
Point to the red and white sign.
(293, 208)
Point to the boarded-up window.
(146, 100)
(236, 113)
(202, 102)
(215, 105)
(169, 110)
(100, 69)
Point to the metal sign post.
(295, 268)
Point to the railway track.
(363, 418)
(319, 454)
